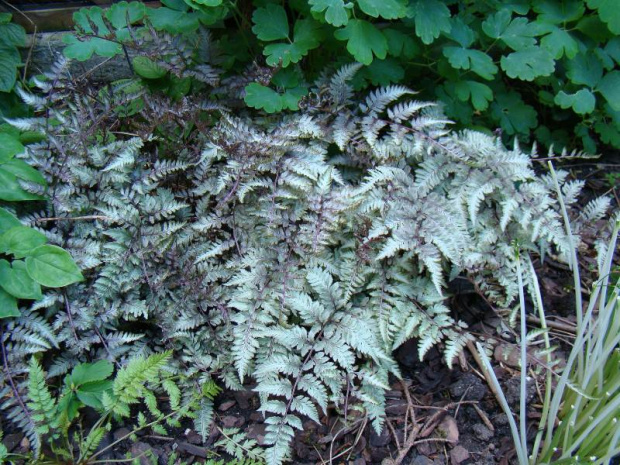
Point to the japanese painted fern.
(298, 251)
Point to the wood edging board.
(54, 18)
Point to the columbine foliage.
(297, 251)
(527, 68)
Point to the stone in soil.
(458, 455)
(244, 398)
(256, 416)
(11, 441)
(144, 451)
(257, 432)
(512, 391)
(482, 432)
(192, 449)
(470, 386)
(193, 437)
(421, 460)
(231, 421)
(449, 430)
(379, 453)
(426, 448)
(381, 440)
(121, 433)
(227, 405)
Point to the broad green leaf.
(306, 38)
(10, 55)
(282, 54)
(15, 280)
(82, 50)
(147, 68)
(583, 132)
(270, 23)
(479, 62)
(335, 12)
(585, 69)
(91, 394)
(68, 406)
(609, 12)
(559, 43)
(453, 106)
(8, 74)
(287, 78)
(400, 44)
(613, 49)
(209, 3)
(363, 40)
(609, 87)
(480, 94)
(517, 33)
(118, 13)
(7, 221)
(388, 9)
(609, 133)
(172, 20)
(12, 34)
(606, 60)
(431, 18)
(8, 305)
(89, 372)
(594, 28)
(5, 18)
(512, 113)
(210, 16)
(179, 87)
(21, 240)
(582, 101)
(177, 5)
(261, 97)
(10, 59)
(521, 7)
(86, 18)
(10, 188)
(383, 72)
(52, 266)
(528, 64)
(559, 137)
(9, 147)
(461, 33)
(555, 12)
(291, 98)
(24, 171)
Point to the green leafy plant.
(12, 37)
(89, 385)
(586, 396)
(35, 263)
(534, 68)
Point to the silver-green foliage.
(298, 251)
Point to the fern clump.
(298, 251)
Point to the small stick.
(75, 218)
(553, 324)
(485, 419)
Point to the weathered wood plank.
(54, 17)
(47, 48)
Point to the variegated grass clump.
(581, 408)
